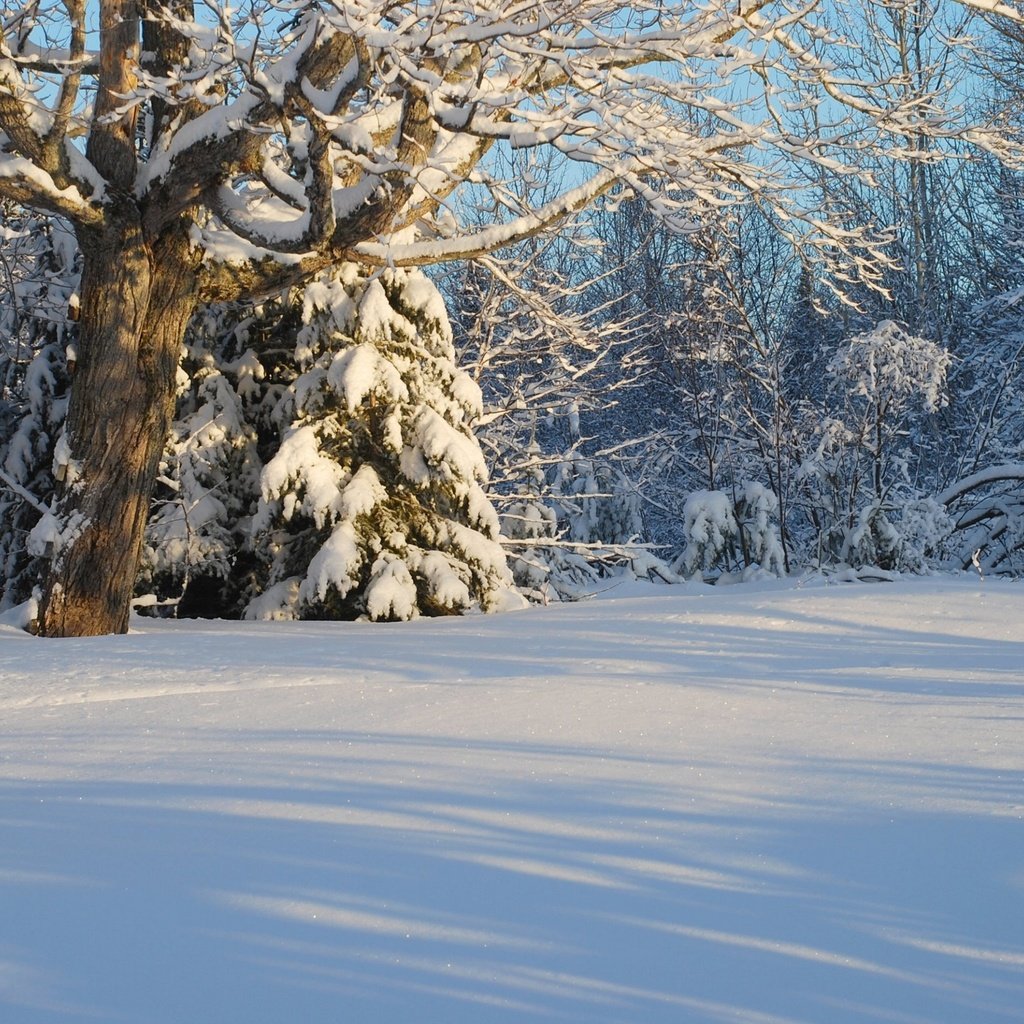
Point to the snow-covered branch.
(487, 240)
(331, 130)
(1012, 471)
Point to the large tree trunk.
(136, 304)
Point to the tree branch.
(482, 242)
(25, 183)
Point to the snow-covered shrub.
(710, 531)
(596, 502)
(873, 540)
(373, 502)
(40, 275)
(529, 527)
(904, 538)
(924, 527)
(727, 533)
(757, 511)
(590, 510)
(545, 564)
(195, 555)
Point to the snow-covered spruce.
(196, 545)
(31, 420)
(373, 503)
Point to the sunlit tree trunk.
(136, 303)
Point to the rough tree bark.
(137, 300)
(138, 293)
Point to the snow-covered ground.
(757, 804)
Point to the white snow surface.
(767, 804)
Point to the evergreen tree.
(373, 503)
(197, 553)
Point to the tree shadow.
(350, 876)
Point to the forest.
(384, 310)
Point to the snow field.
(758, 804)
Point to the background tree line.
(671, 381)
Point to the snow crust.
(763, 804)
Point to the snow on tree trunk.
(373, 504)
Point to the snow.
(14, 166)
(276, 602)
(300, 466)
(360, 371)
(888, 366)
(492, 237)
(65, 467)
(443, 581)
(989, 475)
(219, 243)
(440, 451)
(709, 525)
(215, 123)
(391, 593)
(334, 565)
(766, 804)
